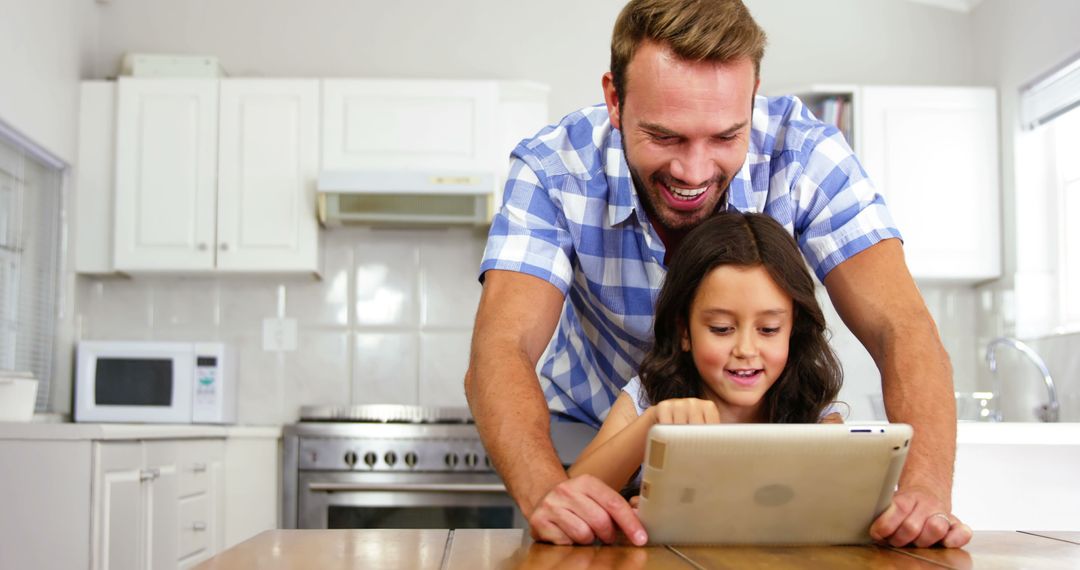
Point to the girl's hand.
(833, 418)
(685, 411)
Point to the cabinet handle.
(198, 526)
(201, 247)
(149, 474)
(198, 467)
(224, 247)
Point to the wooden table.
(506, 549)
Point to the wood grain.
(335, 550)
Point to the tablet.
(775, 484)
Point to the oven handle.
(478, 488)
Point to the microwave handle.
(476, 488)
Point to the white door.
(166, 172)
(933, 153)
(267, 167)
(162, 500)
(118, 507)
(375, 125)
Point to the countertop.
(107, 431)
(512, 548)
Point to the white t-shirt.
(637, 393)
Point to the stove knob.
(451, 460)
(350, 458)
(390, 458)
(471, 459)
(487, 462)
(410, 459)
(370, 458)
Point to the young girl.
(739, 338)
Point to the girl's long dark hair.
(812, 377)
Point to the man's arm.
(514, 322)
(876, 297)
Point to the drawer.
(196, 463)
(196, 524)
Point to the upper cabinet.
(166, 174)
(268, 158)
(400, 125)
(216, 175)
(932, 152)
(233, 175)
(421, 151)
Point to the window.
(1066, 141)
(30, 206)
(1048, 204)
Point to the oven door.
(404, 500)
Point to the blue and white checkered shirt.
(572, 217)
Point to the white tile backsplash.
(359, 327)
(387, 277)
(444, 357)
(449, 286)
(391, 319)
(385, 369)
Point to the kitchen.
(389, 317)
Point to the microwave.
(154, 382)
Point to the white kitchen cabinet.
(157, 504)
(394, 125)
(933, 154)
(216, 175)
(421, 151)
(95, 183)
(267, 166)
(101, 496)
(166, 174)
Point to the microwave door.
(135, 386)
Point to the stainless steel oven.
(391, 467)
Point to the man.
(592, 209)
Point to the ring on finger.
(945, 516)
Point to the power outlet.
(279, 334)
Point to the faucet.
(1047, 412)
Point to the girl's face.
(740, 324)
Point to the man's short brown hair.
(695, 30)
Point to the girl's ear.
(684, 337)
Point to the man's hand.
(581, 510)
(918, 518)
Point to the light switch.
(279, 334)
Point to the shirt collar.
(623, 199)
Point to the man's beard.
(646, 196)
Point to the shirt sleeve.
(839, 211)
(529, 232)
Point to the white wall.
(42, 49)
(563, 43)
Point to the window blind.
(1051, 95)
(30, 234)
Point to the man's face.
(685, 128)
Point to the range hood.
(405, 197)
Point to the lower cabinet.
(157, 504)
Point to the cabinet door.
(95, 184)
(380, 125)
(118, 540)
(166, 172)
(933, 153)
(267, 168)
(162, 501)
